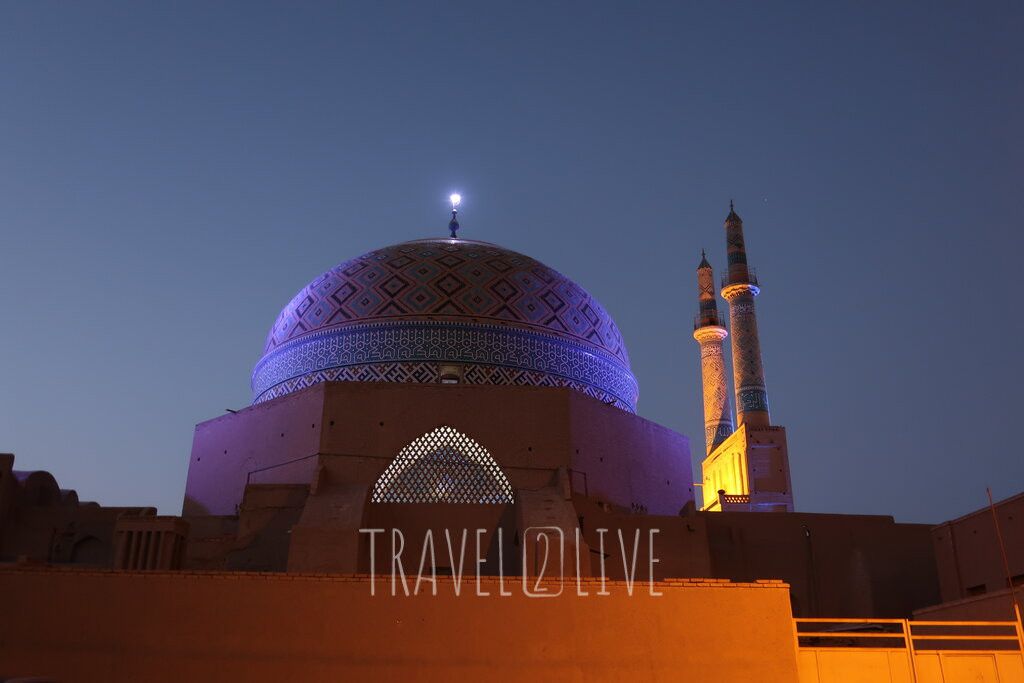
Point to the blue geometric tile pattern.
(396, 314)
(429, 373)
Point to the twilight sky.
(172, 173)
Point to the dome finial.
(453, 225)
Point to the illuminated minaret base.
(750, 469)
(709, 333)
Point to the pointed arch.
(443, 466)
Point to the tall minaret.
(709, 333)
(739, 287)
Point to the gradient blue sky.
(172, 173)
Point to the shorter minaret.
(709, 333)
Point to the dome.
(444, 310)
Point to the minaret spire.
(709, 333)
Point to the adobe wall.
(838, 565)
(680, 542)
(41, 522)
(968, 554)
(996, 606)
(227, 448)
(627, 459)
(530, 431)
(174, 626)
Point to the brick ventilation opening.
(443, 466)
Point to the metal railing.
(705, 320)
(734, 498)
(917, 640)
(751, 278)
(914, 635)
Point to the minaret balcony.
(751, 279)
(708, 320)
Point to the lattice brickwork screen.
(443, 466)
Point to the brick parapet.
(365, 578)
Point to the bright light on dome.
(455, 199)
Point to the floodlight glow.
(455, 199)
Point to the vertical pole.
(796, 641)
(956, 562)
(1002, 550)
(1020, 631)
(908, 644)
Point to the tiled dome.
(428, 310)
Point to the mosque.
(445, 413)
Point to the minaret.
(739, 287)
(709, 333)
(749, 470)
